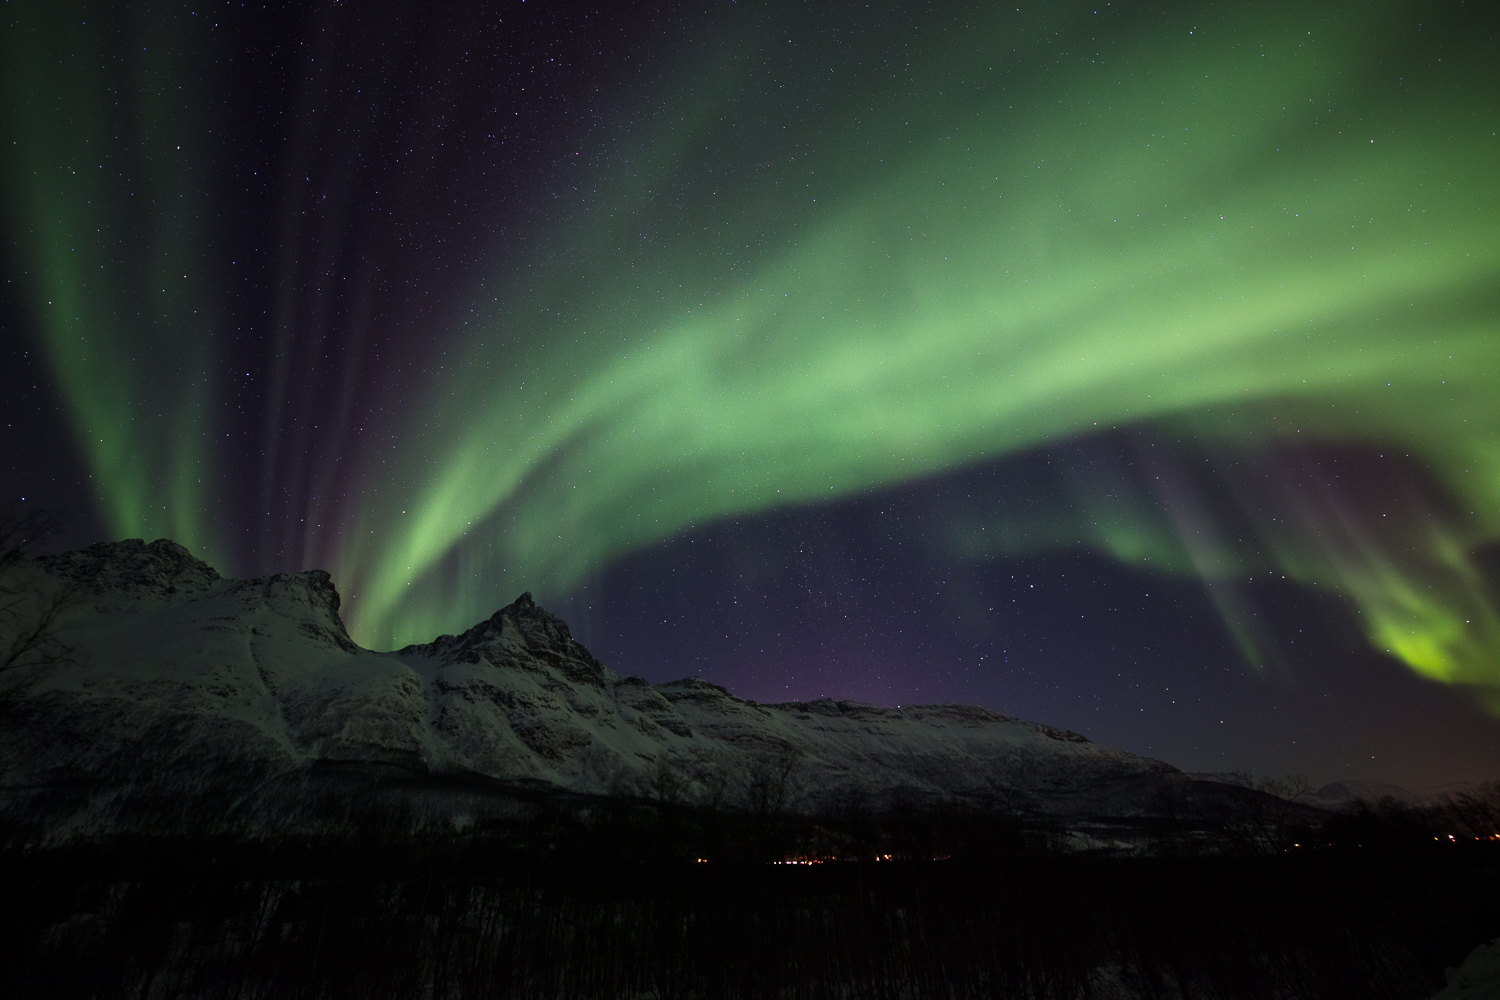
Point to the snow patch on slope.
(194, 687)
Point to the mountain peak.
(257, 678)
(522, 630)
(161, 568)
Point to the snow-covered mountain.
(200, 703)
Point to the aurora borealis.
(470, 299)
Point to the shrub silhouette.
(497, 912)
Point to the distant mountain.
(197, 703)
(1341, 794)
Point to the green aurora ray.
(791, 277)
(95, 165)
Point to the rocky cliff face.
(200, 703)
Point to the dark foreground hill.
(335, 920)
(210, 791)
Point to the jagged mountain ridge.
(204, 695)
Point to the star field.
(1131, 371)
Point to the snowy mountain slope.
(194, 696)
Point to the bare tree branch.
(772, 781)
(21, 530)
(32, 602)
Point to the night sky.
(1129, 370)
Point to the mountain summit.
(204, 704)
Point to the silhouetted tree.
(668, 782)
(1476, 812)
(32, 602)
(20, 530)
(772, 780)
(1261, 816)
(714, 785)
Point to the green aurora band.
(1239, 234)
(106, 214)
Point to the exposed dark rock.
(160, 569)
